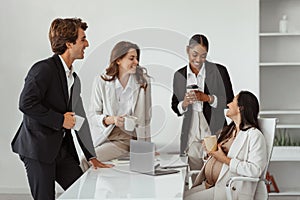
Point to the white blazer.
(248, 155)
(104, 102)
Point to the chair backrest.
(268, 127)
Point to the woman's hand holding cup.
(209, 145)
(189, 98)
(119, 121)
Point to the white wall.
(160, 28)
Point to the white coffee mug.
(78, 122)
(129, 123)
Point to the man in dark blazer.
(215, 95)
(49, 101)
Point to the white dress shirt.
(198, 80)
(69, 75)
(124, 96)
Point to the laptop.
(142, 159)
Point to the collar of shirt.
(192, 79)
(129, 84)
(199, 80)
(124, 96)
(67, 70)
(69, 74)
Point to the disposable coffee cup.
(129, 123)
(190, 88)
(211, 143)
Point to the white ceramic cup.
(78, 122)
(129, 123)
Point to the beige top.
(120, 134)
(213, 167)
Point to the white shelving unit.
(279, 64)
(286, 153)
(278, 34)
(277, 113)
(279, 86)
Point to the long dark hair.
(118, 52)
(249, 109)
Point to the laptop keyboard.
(165, 171)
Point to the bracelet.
(103, 121)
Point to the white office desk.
(120, 183)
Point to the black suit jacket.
(43, 101)
(217, 82)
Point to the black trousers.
(42, 176)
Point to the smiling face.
(129, 62)
(234, 110)
(197, 55)
(77, 50)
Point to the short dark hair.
(63, 31)
(199, 39)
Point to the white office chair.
(267, 126)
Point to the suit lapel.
(110, 90)
(184, 137)
(62, 77)
(240, 141)
(76, 90)
(184, 74)
(234, 150)
(135, 94)
(209, 83)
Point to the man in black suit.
(49, 101)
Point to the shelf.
(279, 112)
(293, 191)
(282, 112)
(273, 34)
(288, 126)
(286, 153)
(279, 71)
(278, 64)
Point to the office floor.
(285, 198)
(28, 197)
(17, 196)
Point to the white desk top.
(120, 183)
